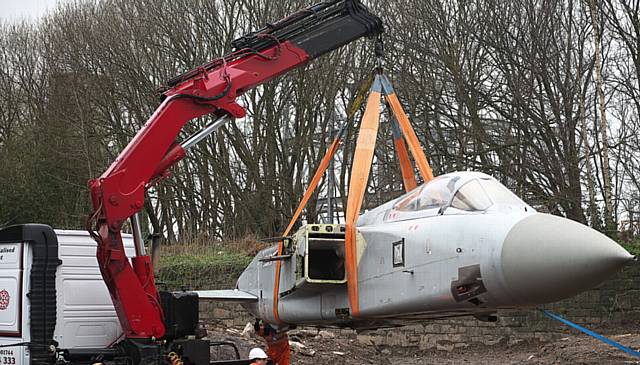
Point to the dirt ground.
(327, 348)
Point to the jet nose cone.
(546, 258)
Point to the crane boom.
(118, 194)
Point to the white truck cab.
(52, 294)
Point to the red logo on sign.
(4, 299)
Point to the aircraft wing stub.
(229, 295)
(275, 258)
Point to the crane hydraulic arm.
(118, 194)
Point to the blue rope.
(591, 333)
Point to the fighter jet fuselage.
(462, 244)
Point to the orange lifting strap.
(361, 167)
(409, 133)
(362, 158)
(406, 168)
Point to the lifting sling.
(403, 135)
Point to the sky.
(15, 10)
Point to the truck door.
(11, 310)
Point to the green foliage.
(632, 247)
(207, 268)
(38, 185)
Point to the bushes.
(215, 270)
(200, 264)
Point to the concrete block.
(473, 331)
(432, 328)
(415, 328)
(221, 313)
(486, 324)
(365, 340)
(445, 346)
(426, 342)
(494, 341)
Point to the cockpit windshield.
(500, 194)
(470, 193)
(435, 194)
(471, 197)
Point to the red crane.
(118, 194)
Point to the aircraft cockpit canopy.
(461, 191)
(435, 194)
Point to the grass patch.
(199, 265)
